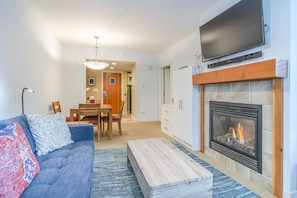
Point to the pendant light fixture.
(95, 63)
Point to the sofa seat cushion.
(66, 172)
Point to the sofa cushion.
(18, 165)
(66, 172)
(50, 132)
(81, 132)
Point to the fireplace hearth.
(236, 132)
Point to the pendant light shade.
(96, 63)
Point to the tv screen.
(236, 29)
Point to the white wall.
(290, 136)
(278, 44)
(147, 81)
(179, 55)
(29, 57)
(182, 53)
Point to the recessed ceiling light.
(111, 67)
(114, 63)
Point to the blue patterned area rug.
(113, 178)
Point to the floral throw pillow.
(50, 132)
(18, 165)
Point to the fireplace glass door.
(236, 131)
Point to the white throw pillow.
(50, 132)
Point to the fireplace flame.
(240, 133)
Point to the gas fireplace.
(236, 132)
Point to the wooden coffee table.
(162, 170)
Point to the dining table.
(104, 108)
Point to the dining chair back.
(57, 109)
(56, 106)
(115, 118)
(90, 113)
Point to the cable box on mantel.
(236, 60)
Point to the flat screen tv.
(239, 28)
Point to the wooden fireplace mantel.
(255, 71)
(274, 70)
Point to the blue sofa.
(66, 172)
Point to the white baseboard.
(287, 194)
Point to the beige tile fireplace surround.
(255, 83)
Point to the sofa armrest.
(81, 132)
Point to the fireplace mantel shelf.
(268, 69)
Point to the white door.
(182, 82)
(176, 92)
(186, 108)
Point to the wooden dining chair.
(57, 108)
(90, 113)
(115, 118)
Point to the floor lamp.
(25, 89)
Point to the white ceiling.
(138, 25)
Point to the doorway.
(166, 81)
(112, 90)
(128, 77)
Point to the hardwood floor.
(131, 130)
